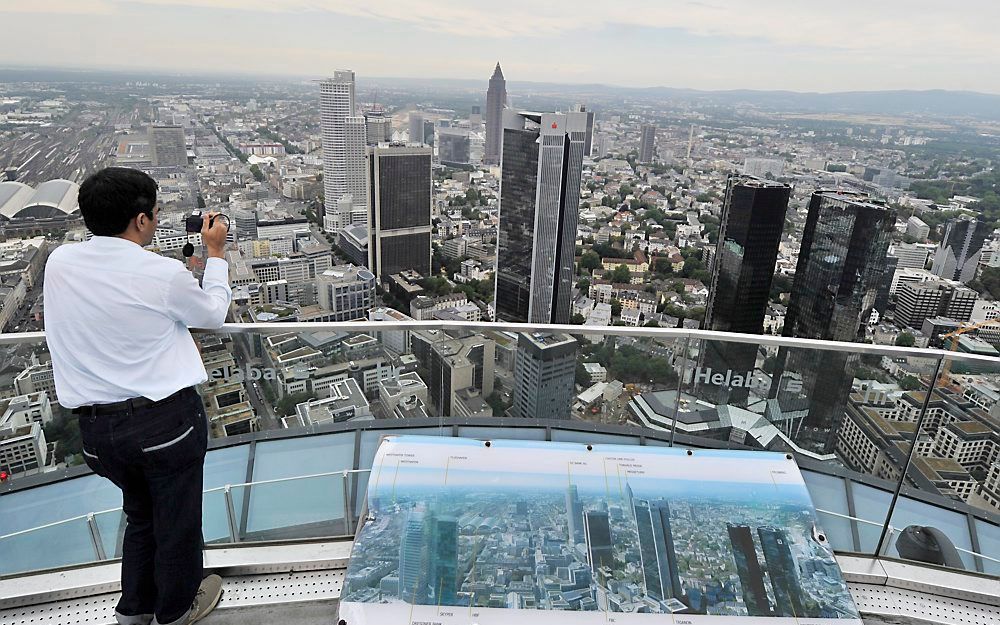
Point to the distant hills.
(935, 103)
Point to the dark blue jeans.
(155, 455)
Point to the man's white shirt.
(117, 319)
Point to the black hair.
(112, 197)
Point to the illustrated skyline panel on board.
(458, 532)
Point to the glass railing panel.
(829, 496)
(215, 514)
(956, 463)
(222, 466)
(268, 508)
(304, 507)
(988, 535)
(912, 514)
(111, 528)
(871, 506)
(61, 544)
(57, 501)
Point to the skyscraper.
(574, 515)
(753, 218)
(413, 578)
(336, 105)
(167, 146)
(453, 146)
(748, 568)
(597, 528)
(355, 142)
(782, 571)
(378, 127)
(544, 375)
(588, 141)
(399, 203)
(539, 212)
(496, 102)
(416, 127)
(657, 555)
(957, 257)
(840, 268)
(443, 559)
(647, 143)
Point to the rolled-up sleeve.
(205, 305)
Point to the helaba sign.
(728, 378)
(238, 374)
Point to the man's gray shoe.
(207, 598)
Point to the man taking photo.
(116, 321)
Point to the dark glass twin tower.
(753, 218)
(840, 268)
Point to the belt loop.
(93, 413)
(128, 403)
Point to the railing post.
(231, 514)
(95, 537)
(680, 385)
(348, 513)
(909, 458)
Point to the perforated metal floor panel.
(241, 594)
(902, 606)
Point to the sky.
(798, 45)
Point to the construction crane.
(955, 335)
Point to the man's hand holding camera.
(213, 234)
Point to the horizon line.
(293, 78)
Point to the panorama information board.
(462, 532)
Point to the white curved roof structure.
(13, 197)
(52, 199)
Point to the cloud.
(63, 7)
(888, 26)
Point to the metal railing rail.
(639, 332)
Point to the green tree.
(590, 261)
(583, 284)
(616, 307)
(905, 339)
(621, 275)
(909, 383)
(257, 173)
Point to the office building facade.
(343, 159)
(378, 128)
(453, 146)
(496, 102)
(544, 376)
(399, 203)
(647, 143)
(753, 219)
(957, 257)
(840, 268)
(539, 213)
(917, 301)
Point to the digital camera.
(195, 221)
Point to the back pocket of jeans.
(173, 450)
